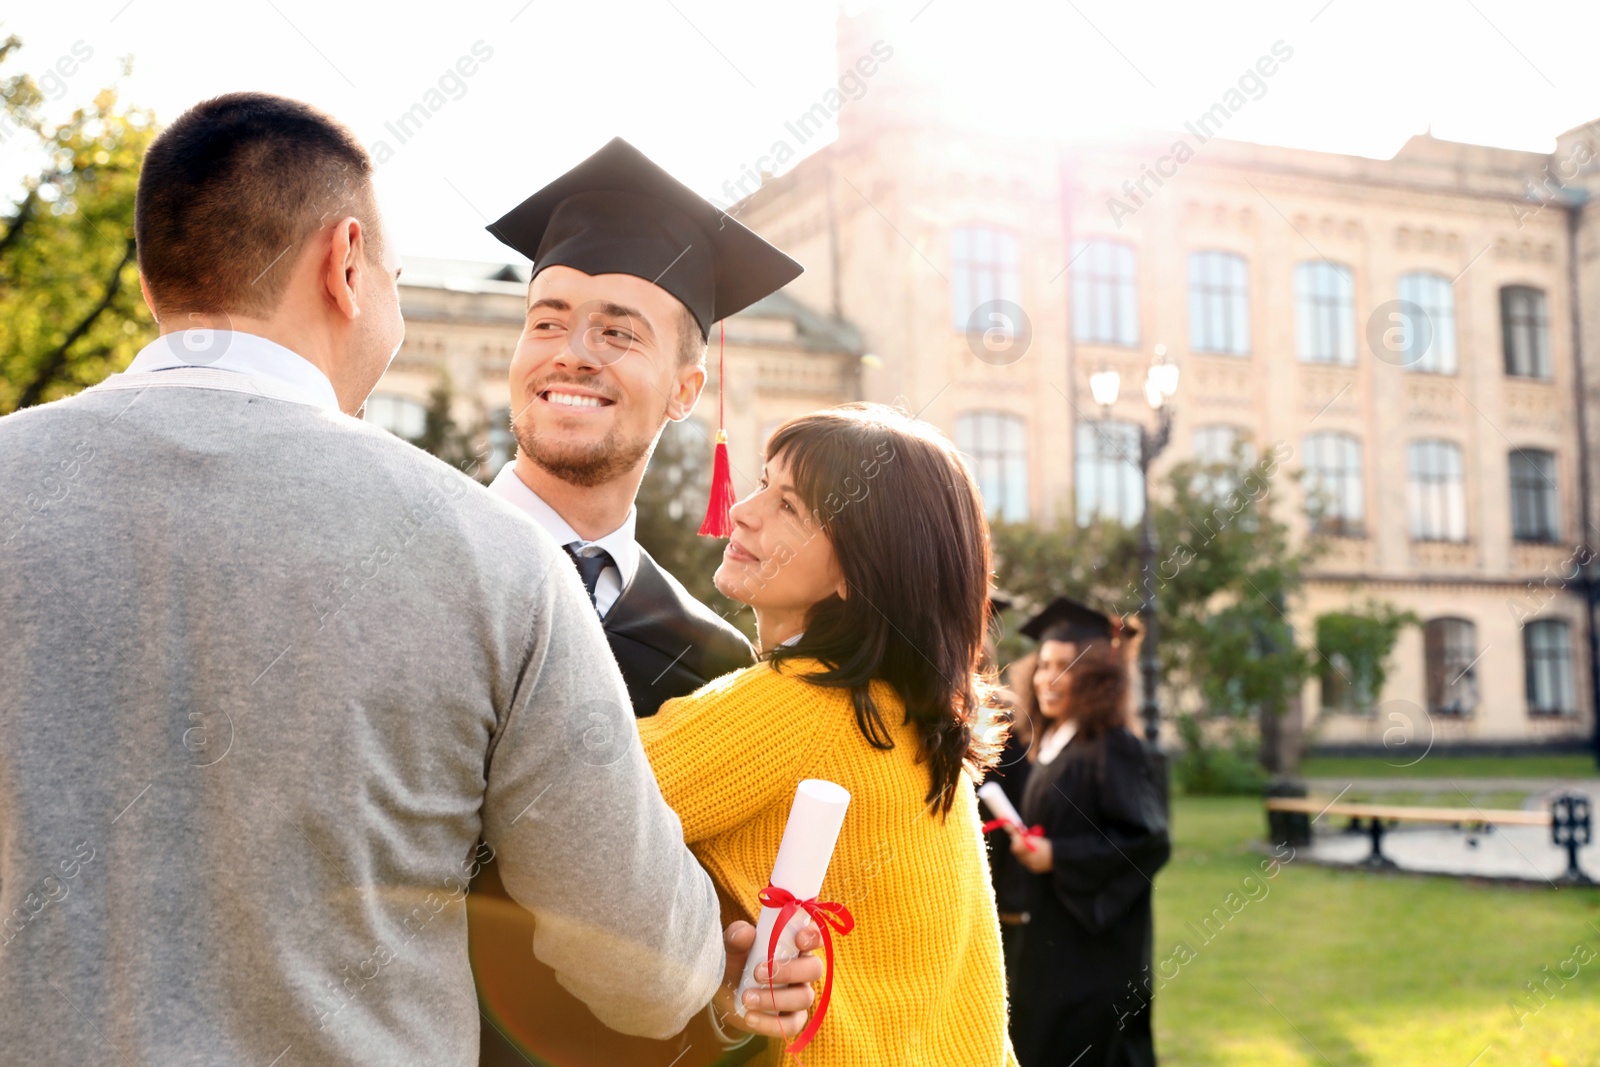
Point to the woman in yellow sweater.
(864, 553)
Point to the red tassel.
(717, 522)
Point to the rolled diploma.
(803, 857)
(991, 794)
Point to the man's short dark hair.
(229, 193)
(691, 346)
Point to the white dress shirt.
(215, 359)
(618, 544)
(1055, 741)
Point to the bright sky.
(705, 86)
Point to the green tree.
(671, 503)
(1227, 577)
(1355, 647)
(70, 308)
(448, 439)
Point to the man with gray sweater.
(268, 674)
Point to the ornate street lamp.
(1160, 383)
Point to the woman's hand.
(1034, 852)
(780, 1012)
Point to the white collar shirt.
(619, 544)
(207, 357)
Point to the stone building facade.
(1399, 334)
(1403, 335)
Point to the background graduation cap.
(1065, 619)
(619, 213)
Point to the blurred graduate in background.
(1099, 797)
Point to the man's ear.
(342, 263)
(688, 384)
(144, 287)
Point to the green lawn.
(1576, 765)
(1361, 969)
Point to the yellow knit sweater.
(919, 983)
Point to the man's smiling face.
(598, 370)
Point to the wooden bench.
(1568, 816)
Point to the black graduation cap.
(619, 213)
(1065, 619)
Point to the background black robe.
(1010, 877)
(667, 645)
(1103, 805)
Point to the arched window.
(1325, 316)
(1525, 331)
(400, 415)
(1109, 483)
(1436, 495)
(1429, 347)
(1547, 663)
(1450, 655)
(1105, 293)
(985, 265)
(1334, 485)
(996, 445)
(1219, 303)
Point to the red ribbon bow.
(1032, 831)
(825, 915)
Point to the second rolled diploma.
(803, 857)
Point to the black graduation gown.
(667, 644)
(1103, 805)
(1009, 876)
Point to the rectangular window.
(1334, 486)
(1105, 294)
(502, 444)
(1325, 327)
(1109, 482)
(1436, 496)
(1421, 333)
(400, 415)
(985, 266)
(996, 446)
(1451, 656)
(1525, 332)
(1534, 515)
(1219, 303)
(1547, 657)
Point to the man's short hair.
(691, 346)
(230, 192)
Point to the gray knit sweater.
(267, 675)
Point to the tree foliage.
(1356, 648)
(70, 308)
(1227, 579)
(1226, 573)
(447, 439)
(671, 502)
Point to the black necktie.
(589, 567)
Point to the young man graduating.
(630, 270)
(268, 675)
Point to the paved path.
(1513, 852)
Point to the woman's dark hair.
(1098, 693)
(907, 524)
(1025, 718)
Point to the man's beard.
(596, 464)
